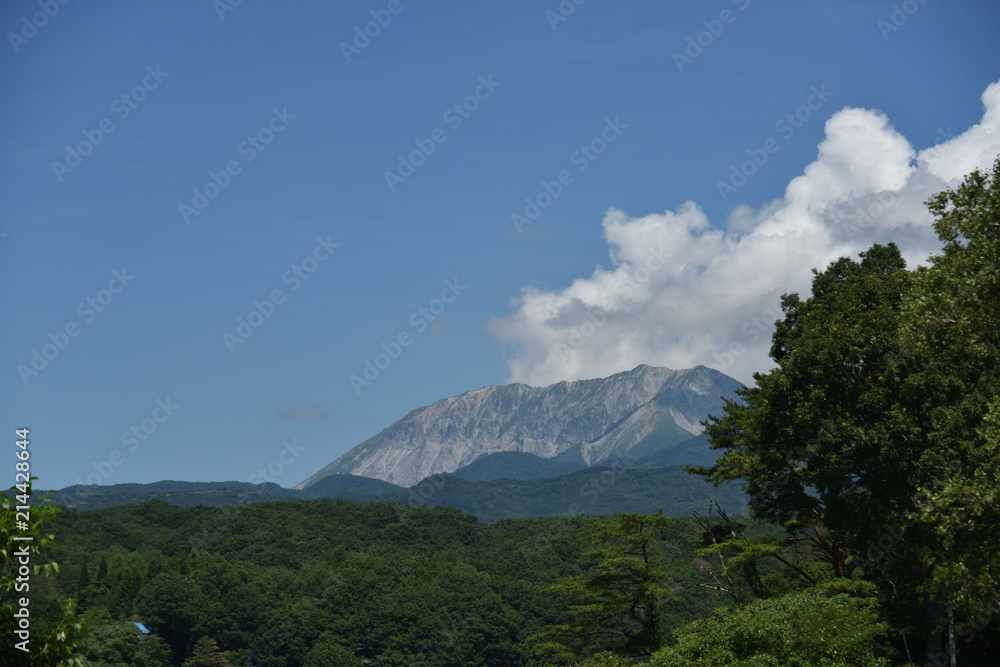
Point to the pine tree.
(619, 606)
(83, 583)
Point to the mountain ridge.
(592, 491)
(648, 408)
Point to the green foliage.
(386, 583)
(120, 644)
(58, 641)
(737, 558)
(875, 440)
(817, 441)
(207, 654)
(600, 491)
(953, 335)
(329, 651)
(619, 605)
(608, 659)
(806, 629)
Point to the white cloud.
(681, 293)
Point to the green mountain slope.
(593, 491)
(515, 465)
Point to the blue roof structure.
(143, 629)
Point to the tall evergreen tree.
(83, 582)
(617, 607)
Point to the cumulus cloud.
(682, 292)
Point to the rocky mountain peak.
(639, 411)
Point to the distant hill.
(594, 491)
(210, 494)
(637, 413)
(340, 486)
(215, 494)
(172, 486)
(591, 491)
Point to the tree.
(60, 644)
(797, 630)
(815, 441)
(740, 558)
(83, 583)
(207, 654)
(619, 606)
(328, 651)
(952, 333)
(875, 439)
(120, 644)
(177, 609)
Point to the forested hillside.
(324, 583)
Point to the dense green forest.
(869, 455)
(293, 583)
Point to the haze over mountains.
(572, 425)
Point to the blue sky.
(118, 115)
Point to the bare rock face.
(640, 411)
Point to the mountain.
(633, 414)
(215, 494)
(592, 491)
(512, 465)
(210, 494)
(338, 486)
(693, 452)
(601, 490)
